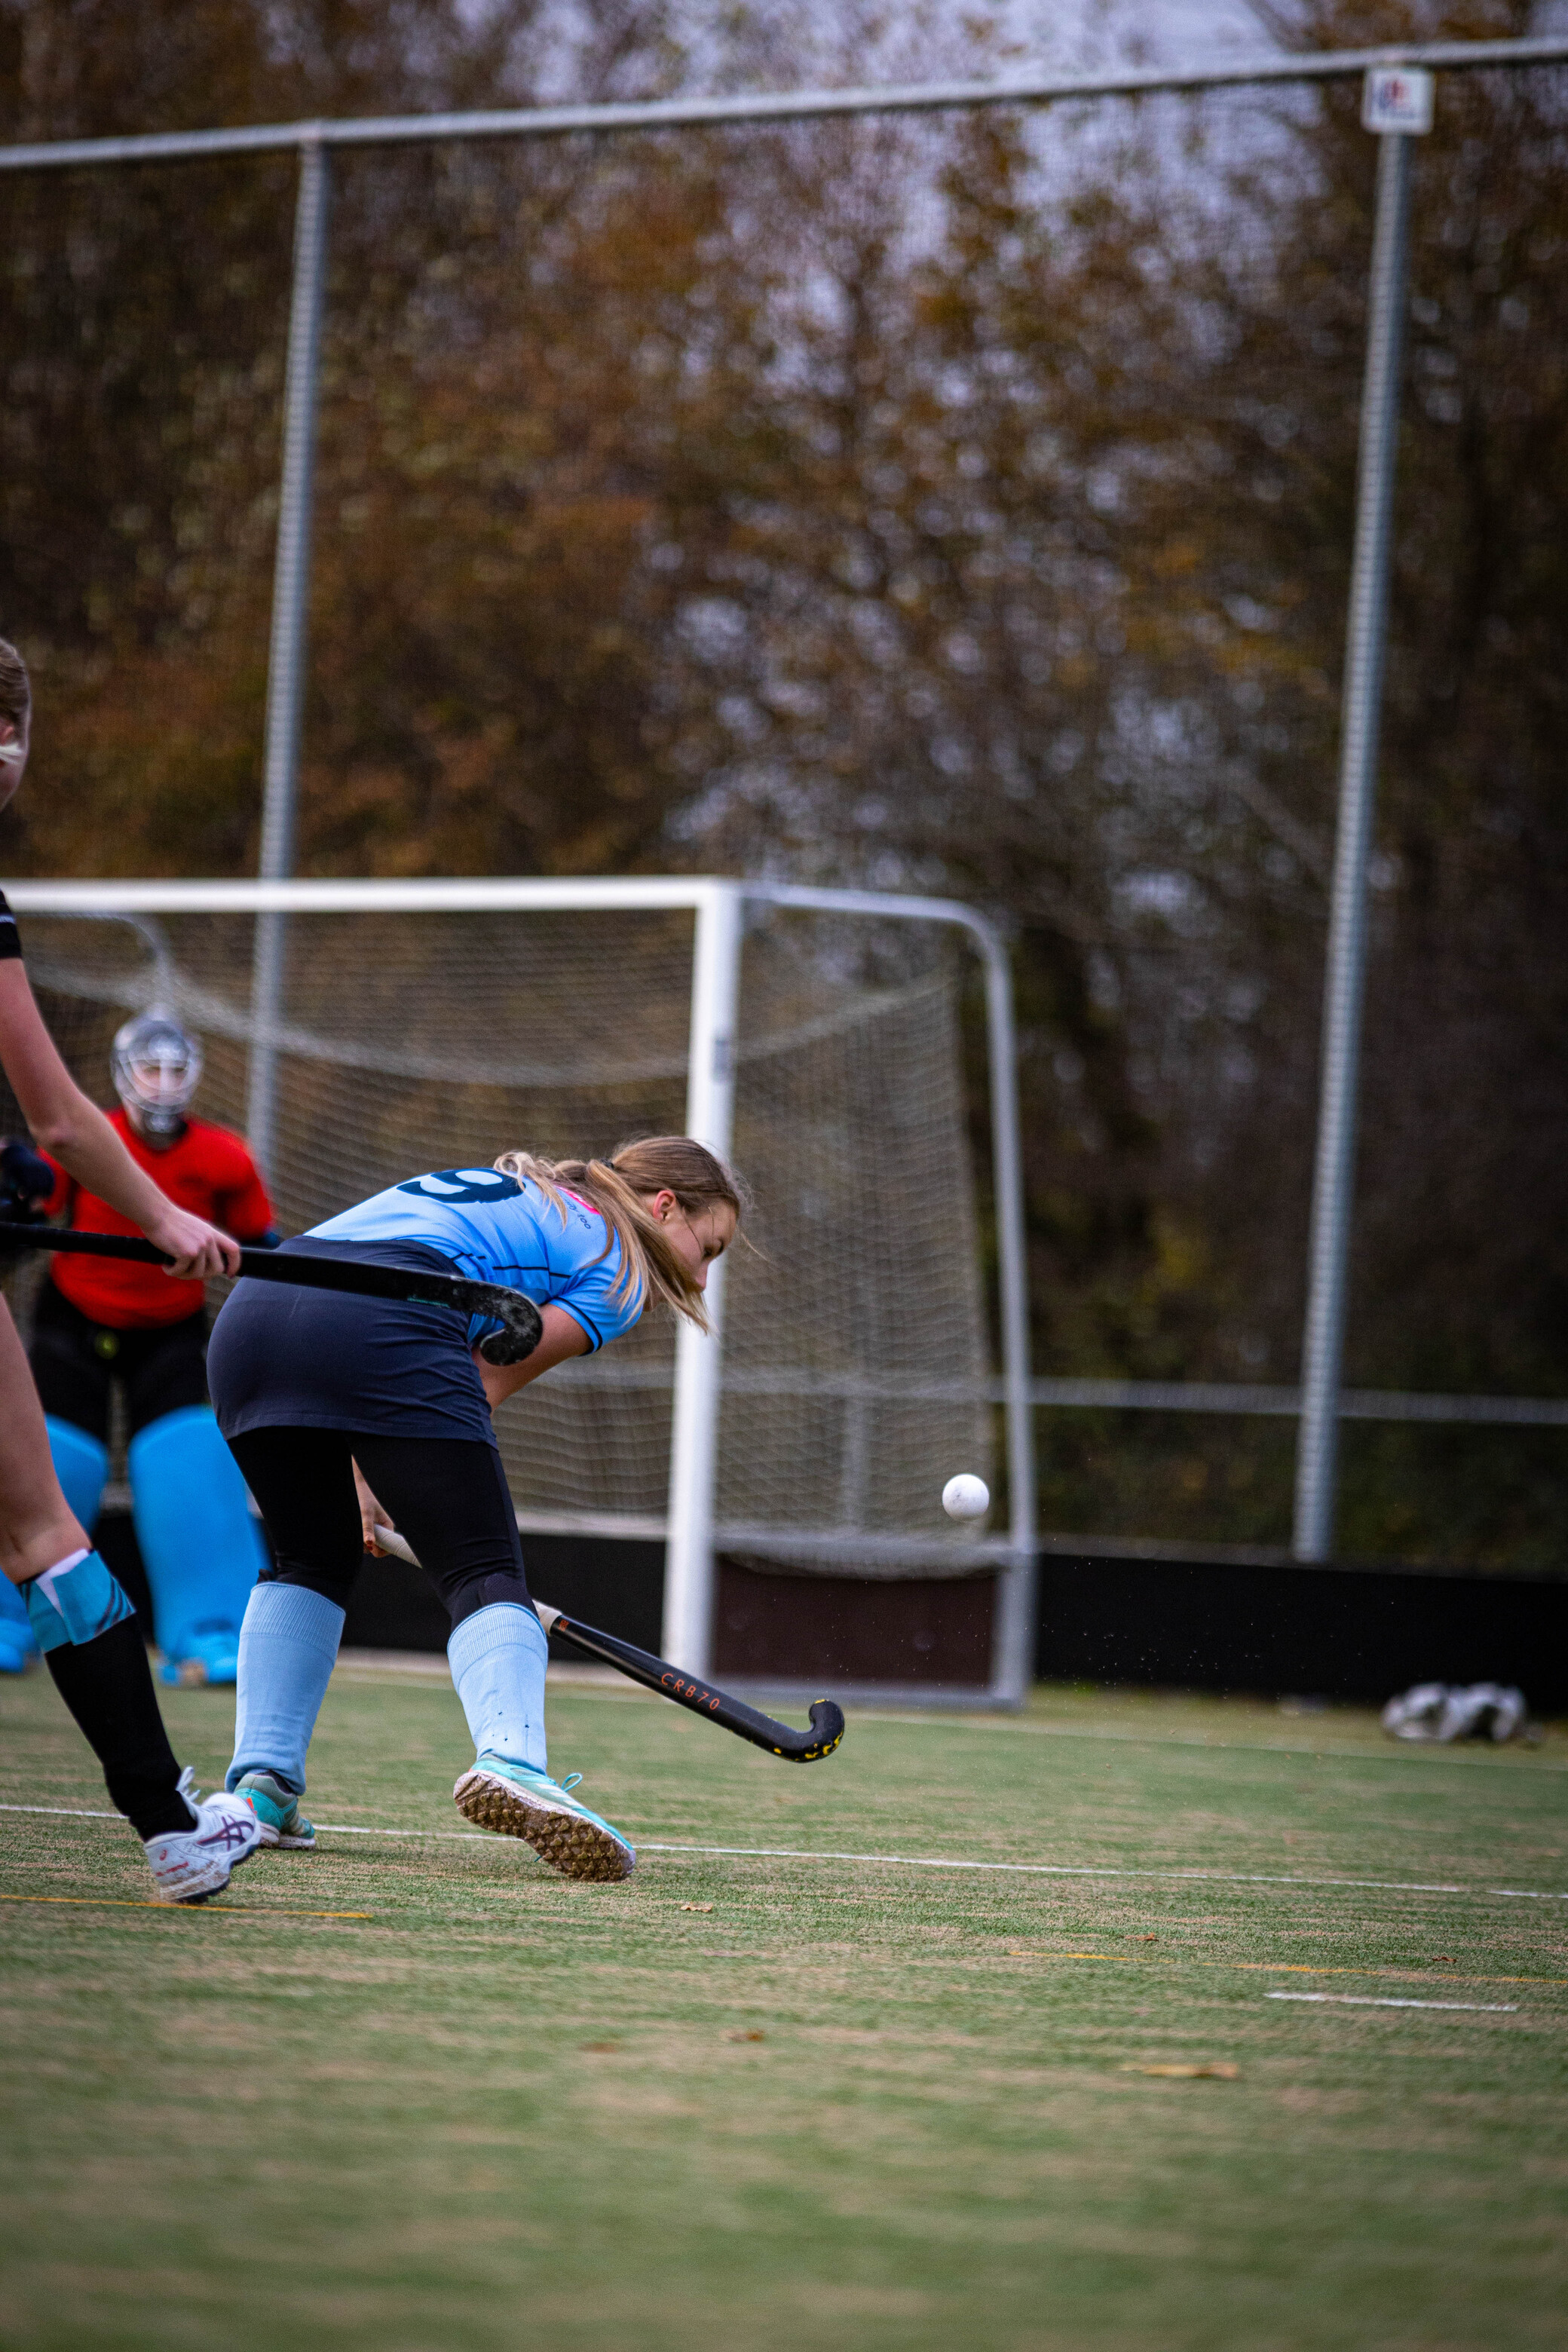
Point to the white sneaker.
(1417, 1713)
(188, 1865)
(1510, 1715)
(1483, 1711)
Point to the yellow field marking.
(1270, 1968)
(1222, 2071)
(221, 1910)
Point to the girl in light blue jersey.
(347, 1413)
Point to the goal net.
(856, 1366)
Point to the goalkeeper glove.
(27, 1179)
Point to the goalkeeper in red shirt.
(102, 1322)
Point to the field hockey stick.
(522, 1328)
(658, 1674)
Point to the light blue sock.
(288, 1648)
(498, 1659)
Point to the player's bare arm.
(76, 1612)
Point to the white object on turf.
(1387, 2001)
(188, 1865)
(1444, 1711)
(966, 1496)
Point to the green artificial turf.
(750, 2098)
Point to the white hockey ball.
(966, 1496)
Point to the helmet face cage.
(156, 1069)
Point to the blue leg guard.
(286, 1651)
(81, 1465)
(498, 1658)
(201, 1549)
(18, 1644)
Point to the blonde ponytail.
(620, 1188)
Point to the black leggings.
(77, 1361)
(448, 1495)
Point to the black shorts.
(76, 1362)
(287, 1358)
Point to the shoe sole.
(205, 1894)
(566, 1840)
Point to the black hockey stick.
(520, 1334)
(733, 1714)
(685, 1690)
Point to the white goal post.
(843, 982)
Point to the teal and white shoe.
(500, 1795)
(277, 1811)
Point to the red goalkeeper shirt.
(209, 1171)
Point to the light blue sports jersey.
(495, 1229)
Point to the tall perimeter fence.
(1398, 99)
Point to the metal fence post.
(1333, 1175)
(688, 1632)
(286, 662)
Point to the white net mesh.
(856, 1356)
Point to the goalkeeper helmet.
(156, 1069)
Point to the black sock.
(108, 1685)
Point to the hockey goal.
(816, 1036)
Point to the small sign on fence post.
(1396, 98)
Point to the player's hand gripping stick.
(685, 1690)
(522, 1328)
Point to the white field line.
(1387, 2001)
(597, 1682)
(926, 1862)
